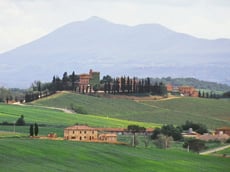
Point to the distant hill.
(143, 50)
(198, 84)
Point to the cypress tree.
(31, 130)
(36, 129)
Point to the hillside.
(213, 113)
(18, 152)
(52, 120)
(47, 155)
(143, 50)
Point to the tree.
(146, 141)
(36, 129)
(194, 144)
(163, 141)
(96, 87)
(73, 81)
(20, 121)
(31, 130)
(199, 128)
(133, 129)
(199, 93)
(65, 81)
(156, 132)
(106, 79)
(168, 130)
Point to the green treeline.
(127, 85)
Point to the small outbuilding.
(223, 130)
(108, 137)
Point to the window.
(73, 131)
(85, 132)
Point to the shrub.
(195, 145)
(199, 128)
(168, 130)
(78, 109)
(21, 121)
(156, 132)
(6, 123)
(163, 141)
(228, 141)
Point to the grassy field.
(46, 155)
(213, 113)
(225, 151)
(18, 152)
(56, 120)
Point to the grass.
(45, 155)
(225, 151)
(21, 153)
(213, 113)
(56, 120)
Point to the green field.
(46, 155)
(56, 120)
(214, 113)
(18, 152)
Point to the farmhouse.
(208, 137)
(88, 81)
(223, 130)
(183, 90)
(80, 133)
(86, 133)
(188, 91)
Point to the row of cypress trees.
(133, 85)
(34, 130)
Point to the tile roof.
(80, 127)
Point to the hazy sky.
(22, 21)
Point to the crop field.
(213, 113)
(46, 155)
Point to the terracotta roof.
(80, 127)
(207, 137)
(108, 129)
(112, 129)
(149, 129)
(108, 135)
(223, 128)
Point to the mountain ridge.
(142, 50)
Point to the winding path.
(215, 150)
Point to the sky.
(22, 21)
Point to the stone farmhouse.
(86, 133)
(223, 130)
(183, 90)
(89, 134)
(88, 81)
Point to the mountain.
(143, 50)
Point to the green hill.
(52, 120)
(20, 153)
(214, 113)
(47, 155)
